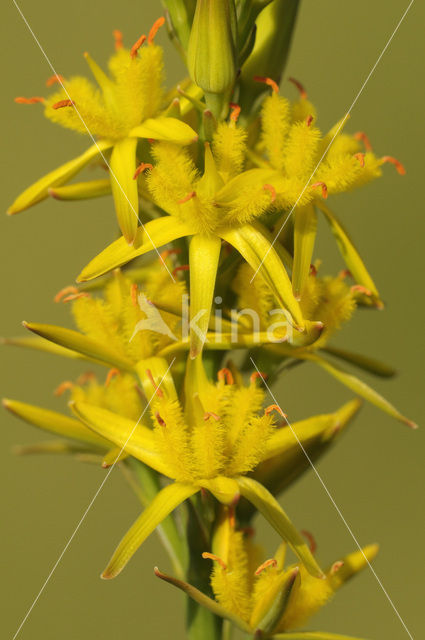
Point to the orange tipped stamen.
(112, 373)
(64, 386)
(313, 270)
(345, 273)
(324, 188)
(189, 196)
(299, 86)
(180, 267)
(160, 421)
(271, 190)
(64, 292)
(169, 252)
(360, 289)
(235, 112)
(211, 556)
(311, 541)
(63, 103)
(136, 46)
(76, 296)
(133, 294)
(336, 567)
(33, 100)
(155, 27)
(257, 374)
(360, 135)
(274, 407)
(272, 562)
(360, 158)
(56, 79)
(399, 167)
(158, 391)
(142, 167)
(211, 414)
(271, 83)
(117, 39)
(225, 374)
(309, 120)
(86, 377)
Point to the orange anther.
(133, 294)
(313, 270)
(169, 252)
(360, 158)
(309, 120)
(274, 407)
(158, 391)
(299, 86)
(272, 562)
(136, 46)
(64, 292)
(360, 135)
(235, 111)
(271, 190)
(211, 414)
(225, 374)
(311, 540)
(63, 103)
(64, 386)
(117, 39)
(180, 267)
(336, 567)
(55, 79)
(112, 373)
(34, 100)
(232, 517)
(361, 289)
(400, 168)
(345, 273)
(161, 422)
(154, 30)
(324, 188)
(189, 196)
(271, 83)
(76, 296)
(142, 167)
(257, 374)
(86, 377)
(211, 556)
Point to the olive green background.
(375, 475)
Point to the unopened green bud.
(211, 54)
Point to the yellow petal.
(81, 190)
(161, 506)
(168, 129)
(39, 190)
(152, 235)
(226, 490)
(366, 363)
(124, 187)
(312, 635)
(304, 238)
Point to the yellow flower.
(266, 599)
(127, 105)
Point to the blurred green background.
(375, 474)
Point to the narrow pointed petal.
(351, 256)
(39, 190)
(136, 439)
(362, 389)
(305, 229)
(80, 343)
(371, 365)
(55, 447)
(312, 635)
(204, 253)
(82, 190)
(257, 250)
(203, 600)
(272, 606)
(124, 188)
(114, 456)
(54, 423)
(151, 236)
(161, 506)
(41, 344)
(353, 563)
(226, 490)
(258, 495)
(168, 129)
